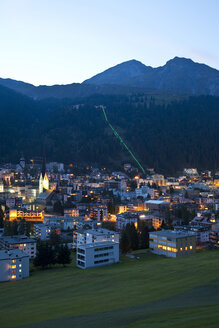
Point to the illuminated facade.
(172, 243)
(33, 216)
(43, 183)
(14, 265)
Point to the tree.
(64, 255)
(45, 255)
(124, 242)
(132, 236)
(54, 239)
(58, 208)
(41, 258)
(144, 237)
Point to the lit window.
(20, 265)
(13, 261)
(181, 249)
(13, 267)
(186, 248)
(13, 277)
(20, 270)
(25, 245)
(21, 245)
(190, 247)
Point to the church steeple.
(43, 170)
(44, 181)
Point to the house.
(14, 265)
(97, 254)
(21, 242)
(172, 243)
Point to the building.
(172, 243)
(21, 242)
(14, 265)
(94, 236)
(21, 214)
(126, 218)
(201, 232)
(157, 205)
(71, 212)
(157, 222)
(97, 254)
(214, 237)
(43, 181)
(99, 212)
(43, 231)
(63, 222)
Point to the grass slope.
(150, 292)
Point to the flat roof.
(172, 233)
(11, 254)
(100, 231)
(157, 202)
(93, 245)
(17, 239)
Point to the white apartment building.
(14, 265)
(94, 236)
(97, 254)
(21, 242)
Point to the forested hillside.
(166, 137)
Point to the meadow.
(150, 291)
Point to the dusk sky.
(60, 42)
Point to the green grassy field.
(150, 292)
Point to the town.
(50, 211)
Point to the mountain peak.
(120, 74)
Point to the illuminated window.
(186, 248)
(13, 261)
(25, 245)
(20, 265)
(20, 270)
(181, 249)
(21, 245)
(190, 247)
(13, 277)
(13, 267)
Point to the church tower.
(44, 181)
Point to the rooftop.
(6, 254)
(94, 245)
(17, 239)
(172, 233)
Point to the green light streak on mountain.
(121, 140)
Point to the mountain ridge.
(179, 75)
